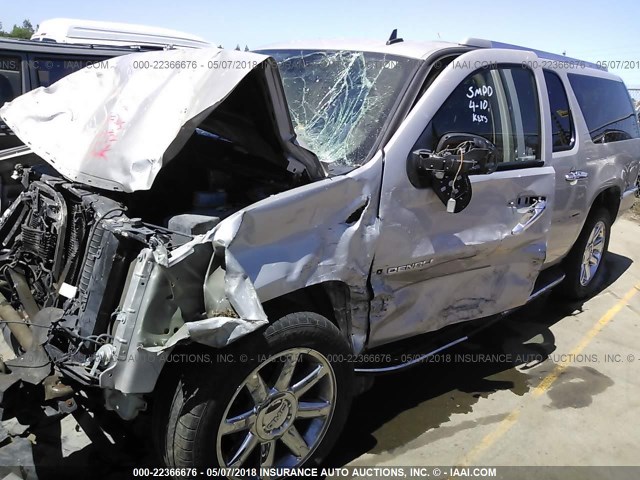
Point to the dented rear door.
(433, 268)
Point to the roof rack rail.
(30, 45)
(482, 43)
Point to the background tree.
(24, 31)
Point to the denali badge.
(405, 268)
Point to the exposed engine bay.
(69, 254)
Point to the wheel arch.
(330, 299)
(608, 198)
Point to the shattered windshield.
(340, 100)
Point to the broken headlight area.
(65, 257)
(96, 295)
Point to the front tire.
(583, 266)
(281, 402)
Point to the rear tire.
(281, 401)
(583, 266)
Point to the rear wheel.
(282, 401)
(583, 266)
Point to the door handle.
(574, 175)
(530, 216)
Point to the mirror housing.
(479, 149)
(477, 154)
(447, 170)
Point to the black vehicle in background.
(26, 65)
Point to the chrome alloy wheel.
(280, 413)
(592, 253)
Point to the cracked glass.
(340, 101)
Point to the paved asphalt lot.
(553, 384)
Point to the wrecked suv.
(233, 240)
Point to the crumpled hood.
(115, 124)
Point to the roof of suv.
(411, 49)
(418, 49)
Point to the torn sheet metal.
(215, 332)
(115, 124)
(220, 331)
(161, 299)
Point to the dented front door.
(433, 268)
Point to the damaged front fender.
(313, 235)
(317, 234)
(158, 314)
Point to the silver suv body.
(293, 215)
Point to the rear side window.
(10, 78)
(561, 119)
(606, 107)
(499, 104)
(50, 70)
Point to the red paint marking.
(105, 139)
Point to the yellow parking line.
(509, 421)
(547, 381)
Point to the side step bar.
(412, 362)
(546, 287)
